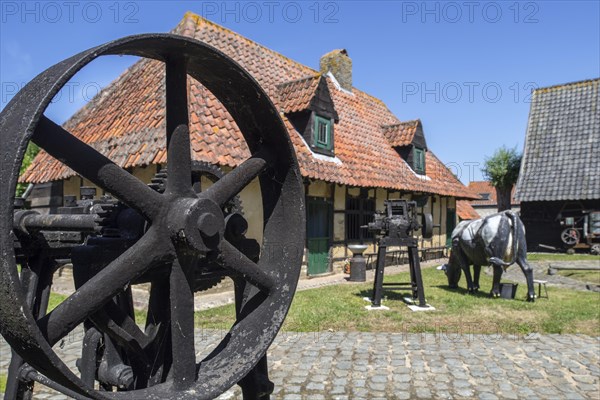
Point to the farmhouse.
(353, 152)
(559, 181)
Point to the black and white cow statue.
(499, 240)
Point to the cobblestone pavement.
(341, 365)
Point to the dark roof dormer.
(408, 139)
(308, 105)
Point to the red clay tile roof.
(464, 210)
(296, 95)
(126, 123)
(401, 134)
(482, 187)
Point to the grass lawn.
(55, 299)
(341, 308)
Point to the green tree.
(30, 154)
(502, 171)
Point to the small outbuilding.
(559, 181)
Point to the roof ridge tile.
(567, 85)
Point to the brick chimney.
(340, 65)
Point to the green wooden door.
(450, 225)
(318, 235)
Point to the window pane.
(322, 134)
(367, 216)
(359, 212)
(352, 218)
(352, 226)
(419, 160)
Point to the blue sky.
(465, 68)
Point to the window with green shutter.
(419, 160)
(322, 133)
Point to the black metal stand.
(416, 280)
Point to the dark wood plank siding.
(542, 221)
(322, 103)
(419, 139)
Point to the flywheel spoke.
(182, 323)
(231, 184)
(179, 160)
(121, 327)
(89, 163)
(89, 298)
(234, 260)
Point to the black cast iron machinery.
(395, 226)
(166, 235)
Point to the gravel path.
(540, 271)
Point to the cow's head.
(453, 271)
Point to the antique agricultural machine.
(166, 235)
(581, 229)
(396, 226)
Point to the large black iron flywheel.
(184, 226)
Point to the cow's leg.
(522, 260)
(496, 281)
(465, 265)
(528, 272)
(469, 279)
(476, 274)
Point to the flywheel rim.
(283, 205)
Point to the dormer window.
(408, 139)
(484, 196)
(323, 129)
(308, 105)
(419, 160)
